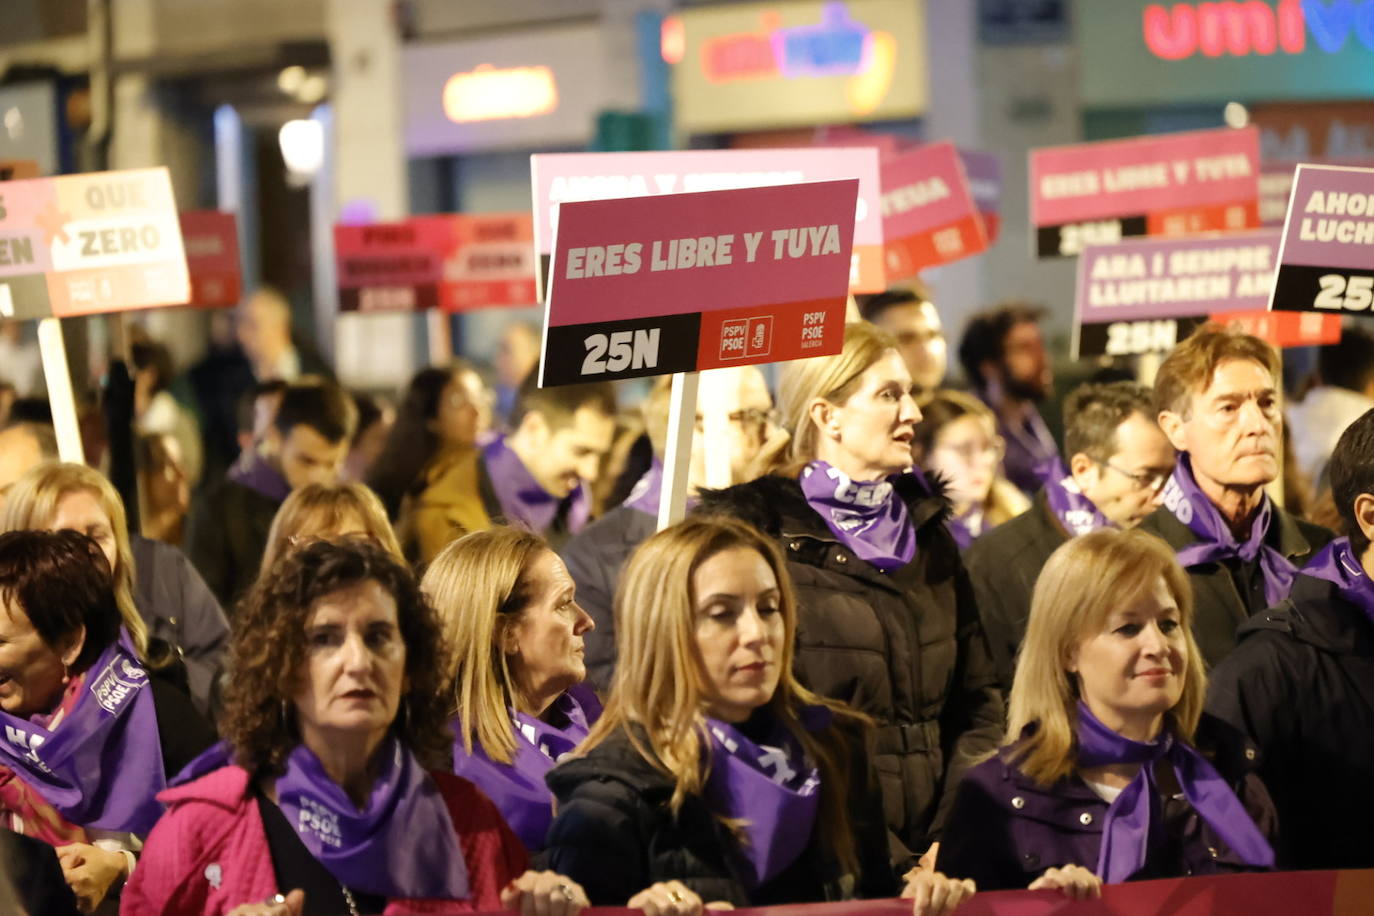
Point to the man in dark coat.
(595, 556)
(307, 443)
(1118, 463)
(1218, 400)
(1301, 683)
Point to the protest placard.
(452, 262)
(654, 285)
(568, 177)
(984, 174)
(92, 243)
(1168, 185)
(1326, 256)
(1144, 295)
(211, 240)
(929, 216)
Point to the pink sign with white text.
(929, 216)
(1166, 185)
(677, 283)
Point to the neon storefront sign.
(487, 93)
(1243, 27)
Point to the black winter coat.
(906, 647)
(1003, 566)
(226, 537)
(616, 835)
(1226, 594)
(594, 557)
(1300, 684)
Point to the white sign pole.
(677, 457)
(719, 390)
(60, 397)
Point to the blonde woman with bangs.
(713, 775)
(320, 510)
(515, 630)
(1110, 772)
(168, 611)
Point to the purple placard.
(1175, 278)
(984, 174)
(1330, 218)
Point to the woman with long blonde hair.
(713, 771)
(1100, 779)
(515, 631)
(887, 621)
(320, 510)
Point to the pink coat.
(209, 853)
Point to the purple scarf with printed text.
(101, 766)
(770, 788)
(647, 490)
(1126, 830)
(868, 517)
(518, 787)
(524, 503)
(1185, 499)
(401, 844)
(1077, 513)
(1337, 563)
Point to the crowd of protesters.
(357, 657)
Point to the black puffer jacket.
(1301, 685)
(616, 835)
(906, 648)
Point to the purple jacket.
(1005, 830)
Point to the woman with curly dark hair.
(329, 784)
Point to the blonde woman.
(321, 510)
(957, 440)
(510, 613)
(886, 620)
(1100, 780)
(713, 771)
(158, 592)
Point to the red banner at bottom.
(1293, 893)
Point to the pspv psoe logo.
(117, 683)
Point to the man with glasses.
(1118, 465)
(594, 557)
(1217, 397)
(909, 316)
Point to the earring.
(285, 716)
(404, 717)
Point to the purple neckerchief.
(518, 787)
(102, 765)
(258, 475)
(647, 490)
(1336, 562)
(1126, 830)
(1029, 445)
(524, 503)
(402, 844)
(1077, 513)
(966, 528)
(868, 518)
(1185, 499)
(771, 789)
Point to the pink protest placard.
(929, 216)
(567, 177)
(1326, 260)
(91, 243)
(1172, 184)
(211, 240)
(650, 286)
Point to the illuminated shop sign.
(488, 94)
(1139, 53)
(753, 66)
(1238, 29)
